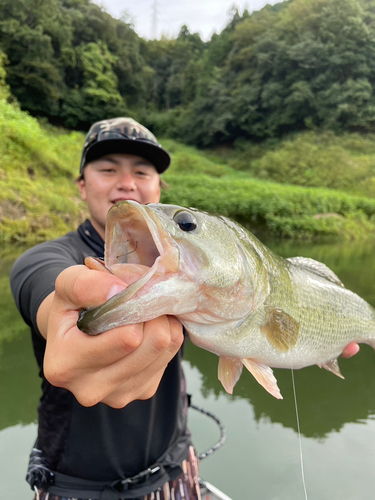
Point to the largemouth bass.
(235, 297)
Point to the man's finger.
(350, 350)
(161, 341)
(79, 287)
(137, 375)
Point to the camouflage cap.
(123, 135)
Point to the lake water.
(261, 458)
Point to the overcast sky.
(203, 16)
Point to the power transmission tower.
(154, 26)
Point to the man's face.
(117, 177)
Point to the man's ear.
(82, 187)
(158, 195)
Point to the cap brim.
(158, 156)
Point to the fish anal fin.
(281, 330)
(229, 371)
(332, 366)
(264, 376)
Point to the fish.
(235, 297)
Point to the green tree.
(99, 95)
(4, 87)
(303, 63)
(174, 65)
(33, 75)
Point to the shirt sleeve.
(34, 274)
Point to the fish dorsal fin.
(264, 375)
(281, 330)
(316, 267)
(229, 371)
(332, 366)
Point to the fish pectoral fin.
(332, 366)
(264, 375)
(281, 330)
(229, 371)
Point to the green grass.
(314, 159)
(39, 199)
(293, 212)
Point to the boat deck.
(210, 492)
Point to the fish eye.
(186, 221)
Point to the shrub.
(314, 159)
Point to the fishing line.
(128, 253)
(299, 433)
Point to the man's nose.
(126, 181)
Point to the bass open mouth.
(137, 248)
(134, 235)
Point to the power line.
(154, 24)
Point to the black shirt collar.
(91, 238)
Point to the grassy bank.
(39, 199)
(314, 159)
(284, 211)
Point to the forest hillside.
(280, 104)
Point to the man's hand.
(115, 367)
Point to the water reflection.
(19, 384)
(19, 389)
(11, 323)
(325, 402)
(352, 261)
(262, 443)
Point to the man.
(136, 442)
(112, 417)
